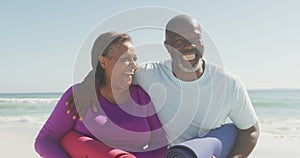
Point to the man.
(194, 97)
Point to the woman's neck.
(114, 95)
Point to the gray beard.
(189, 68)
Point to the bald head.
(184, 43)
(183, 24)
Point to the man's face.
(186, 48)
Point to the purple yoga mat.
(196, 148)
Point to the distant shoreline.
(274, 89)
(29, 93)
(249, 89)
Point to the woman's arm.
(158, 143)
(58, 124)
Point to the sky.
(40, 40)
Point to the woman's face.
(120, 65)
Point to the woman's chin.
(126, 83)
(127, 80)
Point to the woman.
(124, 126)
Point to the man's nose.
(189, 45)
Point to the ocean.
(278, 110)
(26, 108)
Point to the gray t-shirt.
(190, 109)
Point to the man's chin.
(190, 67)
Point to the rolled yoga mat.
(217, 142)
(79, 146)
(196, 148)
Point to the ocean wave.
(268, 103)
(286, 127)
(25, 119)
(28, 100)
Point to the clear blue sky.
(258, 40)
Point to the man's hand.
(71, 106)
(83, 97)
(245, 143)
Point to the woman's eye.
(135, 59)
(128, 59)
(125, 59)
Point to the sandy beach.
(276, 147)
(18, 142)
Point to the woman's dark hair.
(118, 40)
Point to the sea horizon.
(55, 92)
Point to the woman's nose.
(133, 64)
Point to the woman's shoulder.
(69, 92)
(139, 94)
(137, 88)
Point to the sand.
(270, 146)
(17, 141)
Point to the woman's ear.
(102, 61)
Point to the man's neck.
(189, 76)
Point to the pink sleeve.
(157, 146)
(158, 143)
(58, 124)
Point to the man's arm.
(245, 142)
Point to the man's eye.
(179, 41)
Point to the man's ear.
(167, 46)
(103, 62)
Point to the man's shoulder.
(152, 71)
(221, 70)
(153, 65)
(220, 75)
